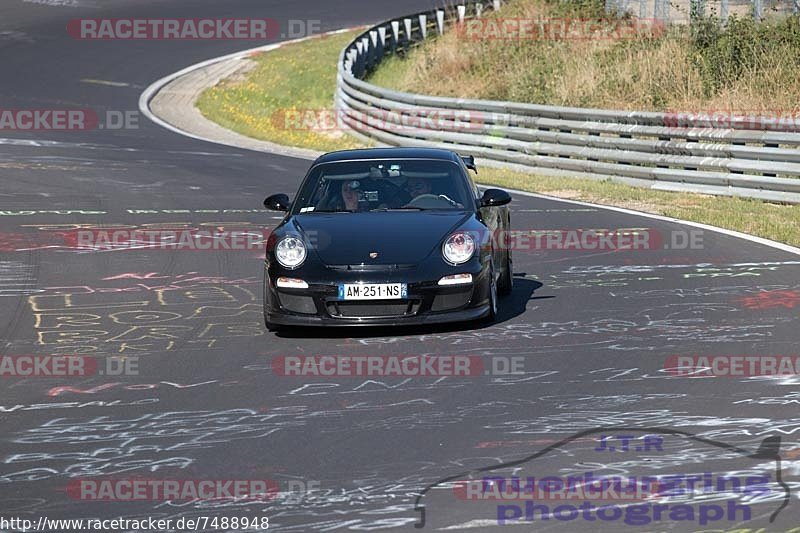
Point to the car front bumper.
(426, 302)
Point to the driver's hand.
(451, 201)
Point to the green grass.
(286, 99)
(302, 76)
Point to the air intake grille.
(373, 309)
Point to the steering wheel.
(430, 201)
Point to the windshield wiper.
(328, 211)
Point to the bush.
(725, 54)
(742, 64)
(577, 8)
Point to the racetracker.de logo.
(559, 29)
(167, 239)
(190, 29)
(66, 120)
(397, 365)
(732, 365)
(65, 366)
(378, 365)
(327, 120)
(27, 366)
(136, 489)
(783, 120)
(621, 239)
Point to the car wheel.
(492, 316)
(506, 283)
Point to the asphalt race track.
(593, 331)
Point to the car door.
(495, 219)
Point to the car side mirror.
(494, 198)
(277, 202)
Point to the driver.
(350, 194)
(349, 190)
(418, 187)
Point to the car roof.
(388, 153)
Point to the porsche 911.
(387, 236)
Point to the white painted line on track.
(708, 227)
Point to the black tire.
(493, 306)
(506, 283)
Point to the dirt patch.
(570, 194)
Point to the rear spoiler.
(469, 162)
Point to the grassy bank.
(296, 80)
(302, 76)
(748, 66)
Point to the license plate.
(373, 291)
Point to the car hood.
(399, 237)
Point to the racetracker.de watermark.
(67, 120)
(72, 366)
(559, 29)
(620, 239)
(200, 523)
(138, 489)
(783, 120)
(168, 239)
(193, 29)
(395, 365)
(327, 120)
(732, 365)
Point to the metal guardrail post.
(395, 34)
(658, 150)
(758, 9)
(440, 21)
(661, 10)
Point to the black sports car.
(387, 236)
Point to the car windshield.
(383, 185)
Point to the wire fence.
(684, 11)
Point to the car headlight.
(458, 248)
(290, 252)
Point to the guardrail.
(657, 150)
